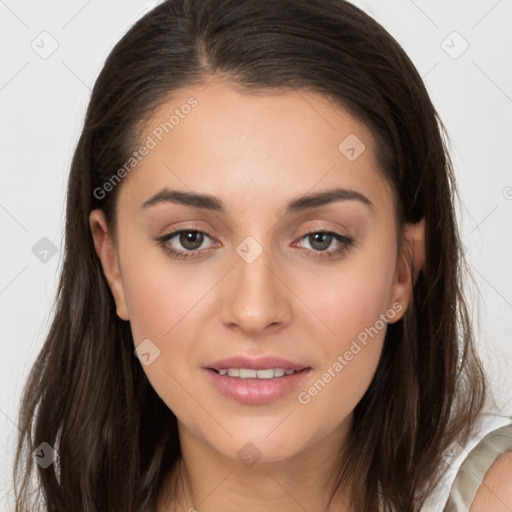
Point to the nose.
(255, 297)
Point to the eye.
(188, 243)
(190, 240)
(320, 241)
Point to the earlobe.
(106, 251)
(411, 261)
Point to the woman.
(260, 306)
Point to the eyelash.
(345, 241)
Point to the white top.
(468, 464)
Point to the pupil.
(191, 239)
(320, 241)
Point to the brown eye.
(325, 244)
(186, 243)
(191, 240)
(320, 241)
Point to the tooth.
(247, 374)
(266, 374)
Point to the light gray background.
(43, 101)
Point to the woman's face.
(292, 255)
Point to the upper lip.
(258, 363)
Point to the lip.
(256, 391)
(259, 363)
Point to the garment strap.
(472, 471)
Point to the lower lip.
(257, 391)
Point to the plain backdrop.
(51, 53)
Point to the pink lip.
(256, 391)
(259, 363)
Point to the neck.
(205, 480)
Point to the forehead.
(219, 140)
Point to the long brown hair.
(87, 396)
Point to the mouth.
(256, 387)
(261, 374)
(245, 365)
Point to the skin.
(495, 491)
(257, 153)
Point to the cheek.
(152, 302)
(363, 301)
(159, 293)
(351, 301)
(166, 305)
(354, 305)
(161, 308)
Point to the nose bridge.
(255, 298)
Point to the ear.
(106, 251)
(409, 263)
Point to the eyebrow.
(213, 203)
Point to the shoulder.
(479, 478)
(495, 491)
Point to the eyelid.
(175, 232)
(319, 225)
(344, 242)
